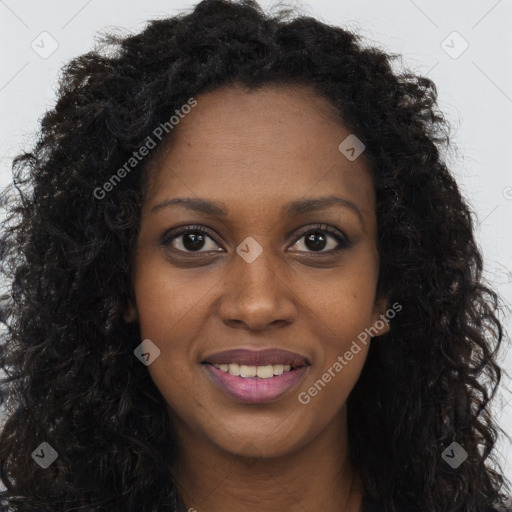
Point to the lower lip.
(254, 389)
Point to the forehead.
(260, 146)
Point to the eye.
(191, 239)
(316, 239)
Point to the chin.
(276, 441)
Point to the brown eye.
(317, 239)
(191, 239)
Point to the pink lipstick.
(256, 376)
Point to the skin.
(254, 151)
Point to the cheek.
(325, 394)
(172, 309)
(169, 298)
(344, 300)
(169, 318)
(342, 307)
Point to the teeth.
(233, 369)
(248, 371)
(278, 369)
(263, 372)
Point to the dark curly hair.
(71, 376)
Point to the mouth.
(251, 376)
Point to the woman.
(243, 278)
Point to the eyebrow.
(291, 209)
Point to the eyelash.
(343, 242)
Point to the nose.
(257, 296)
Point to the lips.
(264, 357)
(246, 375)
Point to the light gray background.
(475, 92)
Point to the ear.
(130, 313)
(380, 320)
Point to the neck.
(318, 476)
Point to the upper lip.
(267, 356)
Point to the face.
(246, 261)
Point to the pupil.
(197, 241)
(312, 241)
